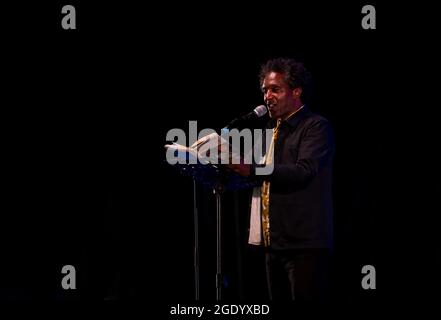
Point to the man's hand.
(242, 169)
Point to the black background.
(85, 114)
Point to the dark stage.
(85, 116)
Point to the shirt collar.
(291, 120)
(293, 113)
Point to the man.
(291, 212)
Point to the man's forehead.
(273, 79)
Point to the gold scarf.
(265, 190)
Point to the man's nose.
(268, 95)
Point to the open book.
(210, 149)
(201, 161)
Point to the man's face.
(278, 96)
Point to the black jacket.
(300, 193)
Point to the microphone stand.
(196, 242)
(218, 190)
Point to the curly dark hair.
(295, 74)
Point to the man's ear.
(297, 92)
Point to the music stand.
(217, 178)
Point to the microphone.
(258, 112)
